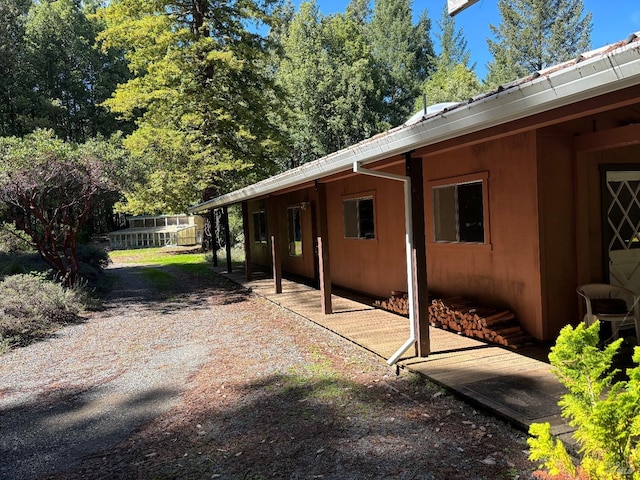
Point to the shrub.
(94, 256)
(20, 262)
(604, 412)
(93, 260)
(31, 306)
(13, 240)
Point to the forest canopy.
(210, 96)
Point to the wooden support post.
(227, 236)
(323, 249)
(214, 236)
(247, 241)
(276, 262)
(325, 290)
(277, 265)
(421, 307)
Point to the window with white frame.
(459, 212)
(260, 226)
(294, 227)
(359, 218)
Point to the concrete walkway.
(512, 384)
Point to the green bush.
(32, 306)
(93, 255)
(93, 260)
(20, 262)
(605, 412)
(13, 240)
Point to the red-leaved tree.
(50, 189)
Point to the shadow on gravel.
(295, 427)
(179, 287)
(60, 429)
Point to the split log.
(465, 317)
(486, 323)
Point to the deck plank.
(506, 382)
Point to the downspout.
(357, 168)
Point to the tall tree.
(535, 34)
(68, 76)
(453, 79)
(332, 93)
(454, 48)
(403, 55)
(50, 189)
(14, 88)
(359, 11)
(203, 99)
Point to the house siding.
(557, 230)
(375, 266)
(505, 273)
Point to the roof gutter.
(602, 74)
(408, 223)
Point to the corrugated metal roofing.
(594, 73)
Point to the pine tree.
(203, 97)
(535, 34)
(453, 79)
(453, 44)
(403, 55)
(332, 88)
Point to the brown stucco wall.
(302, 265)
(557, 231)
(260, 253)
(374, 266)
(505, 272)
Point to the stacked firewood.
(487, 323)
(465, 317)
(398, 303)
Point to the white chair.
(610, 303)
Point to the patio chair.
(618, 306)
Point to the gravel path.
(211, 382)
(90, 385)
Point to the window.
(358, 218)
(458, 212)
(260, 226)
(294, 231)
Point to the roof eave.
(616, 70)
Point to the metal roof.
(595, 73)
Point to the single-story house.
(513, 198)
(158, 231)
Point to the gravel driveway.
(211, 382)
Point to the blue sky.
(613, 20)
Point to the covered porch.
(515, 385)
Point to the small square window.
(294, 220)
(458, 213)
(260, 227)
(359, 218)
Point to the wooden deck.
(512, 384)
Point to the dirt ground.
(280, 397)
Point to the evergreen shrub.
(603, 409)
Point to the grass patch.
(237, 256)
(195, 268)
(157, 256)
(160, 279)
